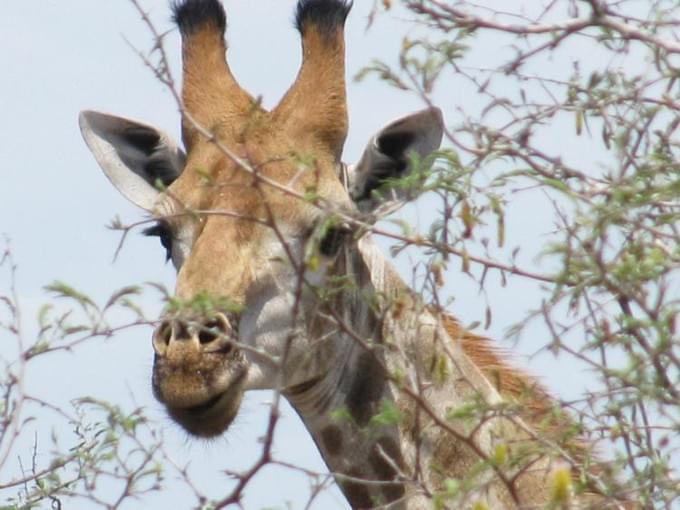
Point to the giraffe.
(283, 288)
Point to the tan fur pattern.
(315, 106)
(210, 93)
(540, 438)
(509, 381)
(534, 404)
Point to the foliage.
(110, 456)
(611, 298)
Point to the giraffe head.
(251, 214)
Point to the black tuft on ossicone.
(329, 15)
(192, 15)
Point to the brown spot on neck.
(355, 491)
(387, 462)
(331, 436)
(366, 390)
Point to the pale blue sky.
(61, 57)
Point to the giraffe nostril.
(162, 337)
(214, 330)
(208, 333)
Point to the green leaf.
(389, 414)
(63, 290)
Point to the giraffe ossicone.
(284, 290)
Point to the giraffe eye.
(162, 231)
(333, 239)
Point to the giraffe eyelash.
(162, 231)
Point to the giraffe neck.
(378, 414)
(344, 409)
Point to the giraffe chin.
(212, 417)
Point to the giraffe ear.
(388, 157)
(137, 158)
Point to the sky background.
(58, 58)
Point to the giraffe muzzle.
(198, 372)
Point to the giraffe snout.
(198, 372)
(183, 340)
